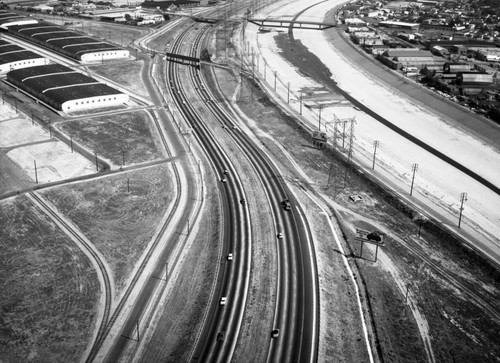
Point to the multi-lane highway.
(293, 332)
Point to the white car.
(230, 257)
(280, 235)
(223, 300)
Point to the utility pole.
(36, 173)
(463, 198)
(414, 168)
(288, 93)
(96, 163)
(319, 117)
(375, 145)
(300, 102)
(275, 80)
(71, 143)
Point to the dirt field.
(125, 73)
(119, 223)
(49, 288)
(130, 132)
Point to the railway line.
(90, 251)
(185, 191)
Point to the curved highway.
(296, 306)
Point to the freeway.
(296, 304)
(234, 280)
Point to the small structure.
(375, 237)
(319, 139)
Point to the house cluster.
(453, 43)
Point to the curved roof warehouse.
(14, 57)
(65, 89)
(71, 43)
(7, 19)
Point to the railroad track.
(89, 250)
(146, 291)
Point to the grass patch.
(108, 135)
(119, 223)
(49, 289)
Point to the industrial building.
(406, 57)
(474, 83)
(8, 19)
(14, 57)
(399, 25)
(70, 43)
(65, 89)
(487, 54)
(449, 68)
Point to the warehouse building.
(8, 19)
(456, 67)
(407, 57)
(474, 83)
(65, 89)
(70, 43)
(399, 25)
(14, 57)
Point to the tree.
(205, 55)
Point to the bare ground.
(49, 288)
(119, 214)
(127, 138)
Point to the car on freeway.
(230, 257)
(242, 201)
(225, 172)
(223, 179)
(280, 235)
(220, 336)
(223, 300)
(275, 333)
(286, 204)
